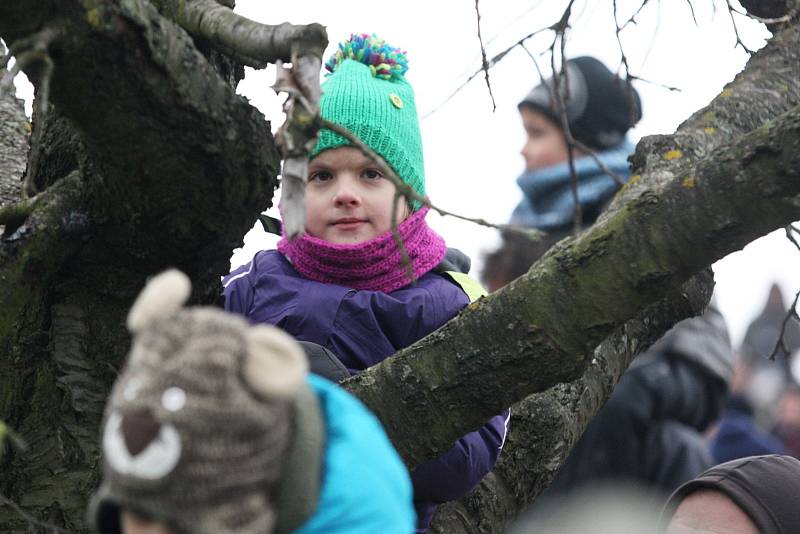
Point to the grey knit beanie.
(600, 107)
(198, 424)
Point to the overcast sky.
(472, 153)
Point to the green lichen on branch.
(37, 249)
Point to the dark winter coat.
(738, 436)
(362, 328)
(649, 431)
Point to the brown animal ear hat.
(197, 426)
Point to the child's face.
(545, 145)
(348, 200)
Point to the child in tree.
(214, 427)
(600, 108)
(344, 284)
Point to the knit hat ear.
(163, 295)
(275, 364)
(367, 93)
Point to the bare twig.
(632, 20)
(691, 9)
(592, 153)
(780, 345)
(739, 42)
(651, 82)
(398, 239)
(790, 231)
(492, 62)
(535, 62)
(412, 196)
(559, 98)
(617, 32)
(652, 43)
(624, 62)
(484, 63)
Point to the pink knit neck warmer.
(376, 264)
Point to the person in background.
(769, 364)
(763, 333)
(600, 108)
(787, 428)
(736, 434)
(214, 427)
(650, 431)
(763, 412)
(344, 285)
(754, 495)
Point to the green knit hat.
(367, 93)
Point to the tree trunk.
(148, 159)
(14, 132)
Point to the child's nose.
(347, 195)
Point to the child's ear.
(275, 364)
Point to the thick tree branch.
(546, 425)
(159, 118)
(253, 43)
(774, 11)
(547, 322)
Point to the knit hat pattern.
(600, 106)
(192, 436)
(367, 93)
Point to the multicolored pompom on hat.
(367, 93)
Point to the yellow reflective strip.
(470, 286)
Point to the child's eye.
(372, 174)
(320, 176)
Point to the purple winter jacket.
(363, 328)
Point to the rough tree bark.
(14, 132)
(148, 159)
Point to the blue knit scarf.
(548, 204)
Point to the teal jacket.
(365, 487)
